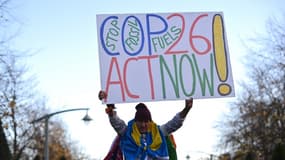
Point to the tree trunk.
(4, 148)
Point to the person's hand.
(189, 103)
(188, 106)
(102, 95)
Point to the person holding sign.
(141, 138)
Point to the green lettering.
(186, 56)
(174, 80)
(205, 80)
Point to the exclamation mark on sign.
(220, 55)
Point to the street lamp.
(187, 157)
(46, 117)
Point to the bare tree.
(5, 152)
(21, 103)
(257, 123)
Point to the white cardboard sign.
(163, 56)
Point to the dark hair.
(142, 113)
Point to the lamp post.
(187, 157)
(46, 117)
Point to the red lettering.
(169, 50)
(114, 82)
(125, 77)
(148, 58)
(192, 37)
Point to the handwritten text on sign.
(165, 56)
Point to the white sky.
(63, 33)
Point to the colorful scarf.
(136, 146)
(115, 152)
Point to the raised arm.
(177, 121)
(110, 107)
(188, 106)
(118, 124)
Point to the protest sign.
(163, 56)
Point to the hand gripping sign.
(164, 56)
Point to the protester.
(141, 138)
